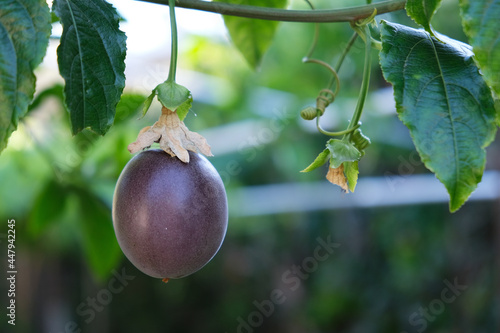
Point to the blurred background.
(299, 255)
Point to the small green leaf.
(24, 35)
(321, 159)
(99, 241)
(47, 208)
(351, 173)
(91, 59)
(444, 101)
(147, 102)
(173, 96)
(360, 141)
(342, 151)
(422, 11)
(184, 108)
(480, 19)
(252, 37)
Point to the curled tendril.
(326, 96)
(344, 132)
(309, 113)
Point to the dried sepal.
(173, 136)
(336, 176)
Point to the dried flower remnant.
(173, 136)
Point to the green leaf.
(174, 97)
(24, 35)
(47, 207)
(99, 242)
(480, 19)
(342, 151)
(252, 37)
(442, 98)
(360, 141)
(147, 102)
(321, 159)
(184, 108)
(351, 172)
(422, 11)
(91, 59)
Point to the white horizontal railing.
(391, 190)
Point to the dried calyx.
(173, 136)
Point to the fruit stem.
(173, 49)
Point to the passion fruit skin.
(170, 217)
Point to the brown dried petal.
(174, 137)
(336, 176)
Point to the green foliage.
(127, 107)
(360, 141)
(99, 242)
(422, 11)
(412, 247)
(442, 98)
(351, 172)
(173, 96)
(56, 91)
(321, 159)
(24, 36)
(480, 19)
(252, 37)
(63, 183)
(91, 60)
(342, 151)
(48, 207)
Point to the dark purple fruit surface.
(170, 217)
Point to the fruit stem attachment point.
(174, 44)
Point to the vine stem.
(347, 14)
(366, 79)
(335, 79)
(174, 45)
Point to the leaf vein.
(79, 57)
(450, 114)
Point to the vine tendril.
(326, 96)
